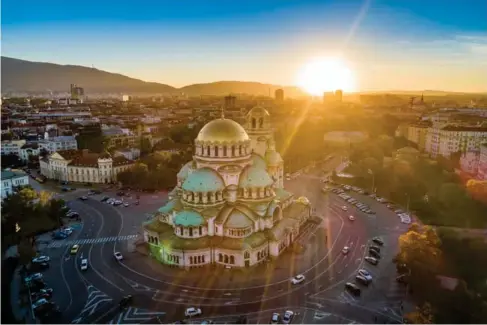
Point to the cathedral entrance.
(247, 263)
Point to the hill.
(20, 75)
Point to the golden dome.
(222, 130)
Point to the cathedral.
(229, 206)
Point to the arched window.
(220, 257)
(224, 151)
(216, 151)
(233, 151)
(232, 259)
(240, 150)
(246, 255)
(191, 260)
(261, 123)
(208, 150)
(254, 124)
(191, 232)
(258, 255)
(226, 259)
(201, 231)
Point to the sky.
(385, 44)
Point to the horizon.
(410, 46)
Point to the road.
(92, 296)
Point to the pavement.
(161, 293)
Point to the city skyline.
(410, 45)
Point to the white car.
(41, 259)
(351, 218)
(344, 208)
(84, 264)
(118, 256)
(405, 220)
(39, 303)
(126, 204)
(68, 230)
(288, 317)
(35, 276)
(192, 311)
(364, 273)
(276, 318)
(372, 260)
(298, 279)
(345, 250)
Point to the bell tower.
(259, 129)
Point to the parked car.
(374, 253)
(353, 288)
(275, 318)
(362, 280)
(32, 277)
(372, 260)
(345, 250)
(378, 241)
(351, 218)
(83, 198)
(105, 198)
(288, 317)
(375, 248)
(59, 235)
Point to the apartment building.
(11, 147)
(482, 165)
(29, 149)
(445, 140)
(12, 179)
(59, 143)
(417, 133)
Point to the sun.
(325, 74)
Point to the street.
(92, 296)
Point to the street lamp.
(373, 179)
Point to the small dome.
(237, 219)
(186, 170)
(258, 111)
(188, 218)
(222, 130)
(204, 180)
(258, 161)
(254, 176)
(273, 158)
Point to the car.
(344, 208)
(38, 303)
(41, 259)
(345, 250)
(72, 215)
(59, 235)
(403, 278)
(125, 301)
(374, 253)
(104, 199)
(288, 317)
(74, 249)
(33, 277)
(364, 273)
(117, 202)
(36, 267)
(46, 292)
(84, 264)
(362, 280)
(83, 198)
(68, 230)
(352, 288)
(118, 256)
(192, 311)
(275, 318)
(390, 206)
(406, 221)
(298, 279)
(126, 204)
(91, 193)
(372, 260)
(375, 248)
(40, 295)
(378, 241)
(351, 218)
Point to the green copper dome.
(186, 170)
(254, 176)
(188, 218)
(258, 161)
(204, 180)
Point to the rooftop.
(9, 174)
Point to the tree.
(145, 146)
(422, 315)
(11, 161)
(477, 189)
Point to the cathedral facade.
(229, 206)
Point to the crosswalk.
(90, 241)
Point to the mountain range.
(40, 77)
